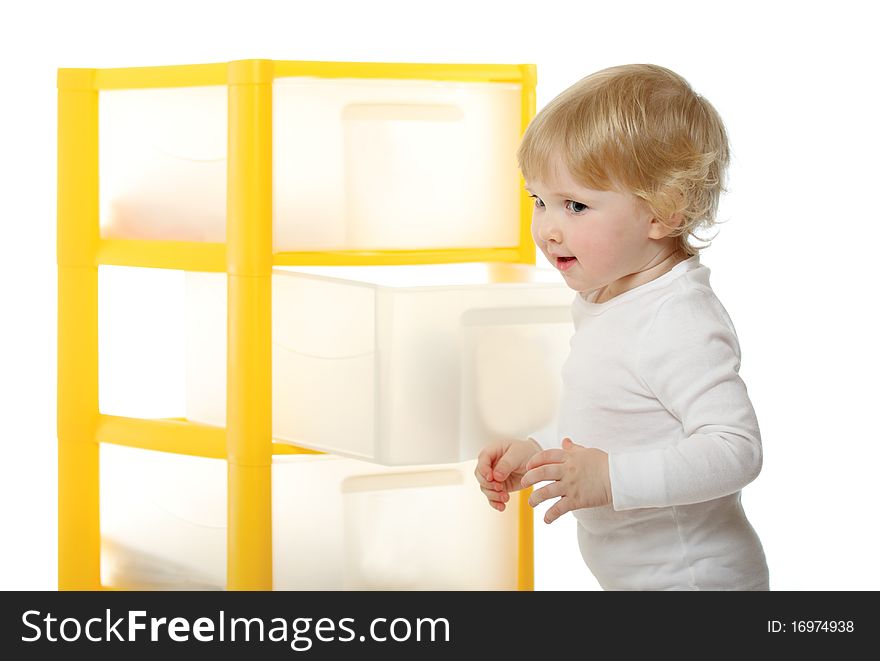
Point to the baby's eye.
(537, 200)
(573, 203)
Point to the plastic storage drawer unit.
(427, 370)
(350, 170)
(337, 524)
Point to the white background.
(795, 83)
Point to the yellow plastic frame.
(248, 258)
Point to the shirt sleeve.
(689, 359)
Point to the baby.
(658, 435)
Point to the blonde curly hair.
(637, 128)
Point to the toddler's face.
(606, 232)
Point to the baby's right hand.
(500, 468)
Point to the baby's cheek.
(537, 240)
(597, 254)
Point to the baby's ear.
(660, 229)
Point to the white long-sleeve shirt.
(652, 378)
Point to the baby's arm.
(690, 359)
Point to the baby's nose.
(549, 231)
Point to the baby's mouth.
(564, 263)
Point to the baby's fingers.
(553, 456)
(560, 507)
(552, 490)
(497, 499)
(543, 473)
(485, 481)
(483, 471)
(496, 496)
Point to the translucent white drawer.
(337, 524)
(358, 164)
(395, 364)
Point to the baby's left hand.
(579, 477)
